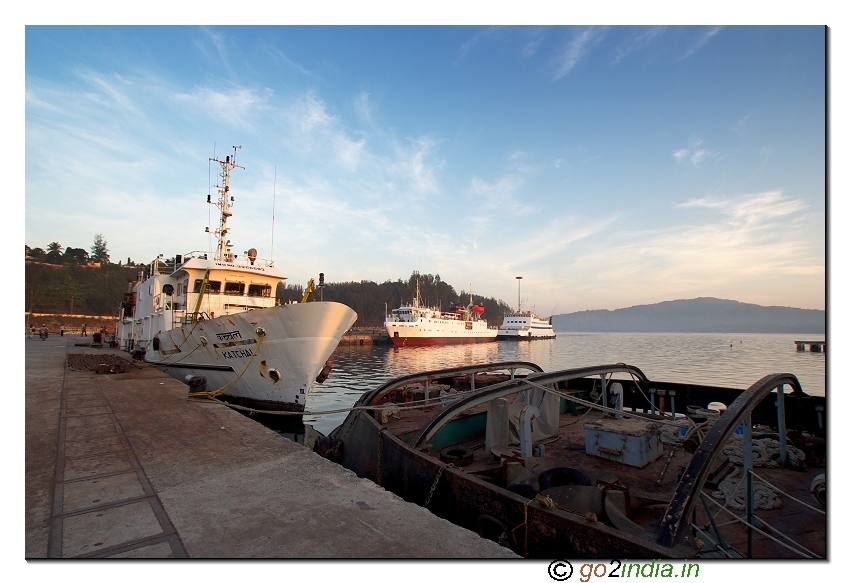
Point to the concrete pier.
(125, 465)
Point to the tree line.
(66, 280)
(372, 301)
(56, 254)
(69, 280)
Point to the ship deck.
(656, 482)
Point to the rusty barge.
(599, 462)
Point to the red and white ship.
(417, 325)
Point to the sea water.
(725, 360)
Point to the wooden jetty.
(814, 345)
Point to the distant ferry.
(525, 326)
(416, 325)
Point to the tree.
(36, 253)
(99, 252)
(54, 252)
(77, 256)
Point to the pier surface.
(125, 465)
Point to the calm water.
(727, 360)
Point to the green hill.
(76, 289)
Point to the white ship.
(417, 325)
(526, 325)
(215, 323)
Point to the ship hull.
(525, 334)
(268, 358)
(399, 341)
(437, 332)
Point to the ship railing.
(192, 318)
(739, 413)
(240, 259)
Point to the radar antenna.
(223, 248)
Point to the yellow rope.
(221, 390)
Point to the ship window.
(233, 288)
(213, 287)
(260, 291)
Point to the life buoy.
(563, 476)
(459, 456)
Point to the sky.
(608, 166)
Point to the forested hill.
(76, 289)
(372, 300)
(696, 315)
(82, 289)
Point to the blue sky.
(609, 166)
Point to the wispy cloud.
(695, 152)
(743, 122)
(498, 195)
(700, 42)
(363, 107)
(220, 44)
(239, 107)
(637, 42)
(533, 44)
(480, 37)
(736, 250)
(576, 50)
(414, 164)
(279, 55)
(750, 210)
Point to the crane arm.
(308, 291)
(201, 295)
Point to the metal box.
(631, 441)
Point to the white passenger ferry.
(522, 325)
(216, 323)
(525, 326)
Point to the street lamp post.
(518, 302)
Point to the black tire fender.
(525, 490)
(562, 476)
(459, 456)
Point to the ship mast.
(222, 251)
